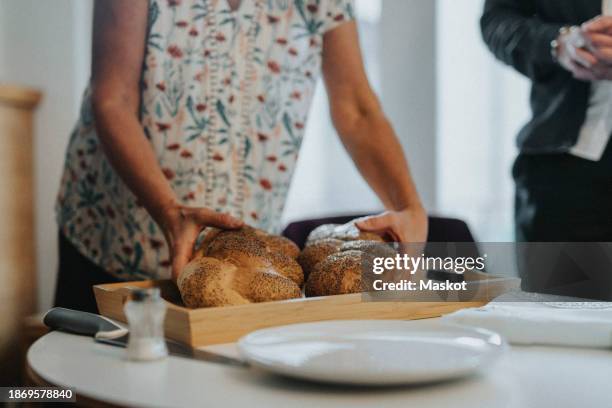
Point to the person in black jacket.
(562, 194)
(563, 173)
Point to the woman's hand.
(182, 226)
(406, 226)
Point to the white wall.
(481, 106)
(408, 61)
(43, 44)
(3, 38)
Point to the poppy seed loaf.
(336, 255)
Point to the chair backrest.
(440, 229)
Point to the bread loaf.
(338, 274)
(344, 232)
(239, 267)
(336, 255)
(317, 252)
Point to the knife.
(105, 331)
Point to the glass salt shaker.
(145, 313)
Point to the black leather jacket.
(519, 33)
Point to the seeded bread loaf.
(335, 257)
(240, 267)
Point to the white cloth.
(597, 127)
(531, 319)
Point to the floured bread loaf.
(344, 232)
(335, 257)
(239, 267)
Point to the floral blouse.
(225, 99)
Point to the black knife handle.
(76, 322)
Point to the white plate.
(373, 352)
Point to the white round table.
(526, 377)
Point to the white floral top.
(225, 98)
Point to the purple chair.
(440, 229)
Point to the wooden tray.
(200, 327)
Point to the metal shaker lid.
(140, 294)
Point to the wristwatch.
(555, 45)
(575, 38)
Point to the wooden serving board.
(201, 327)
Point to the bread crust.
(338, 274)
(344, 232)
(336, 256)
(317, 252)
(240, 267)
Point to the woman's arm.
(370, 140)
(118, 50)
